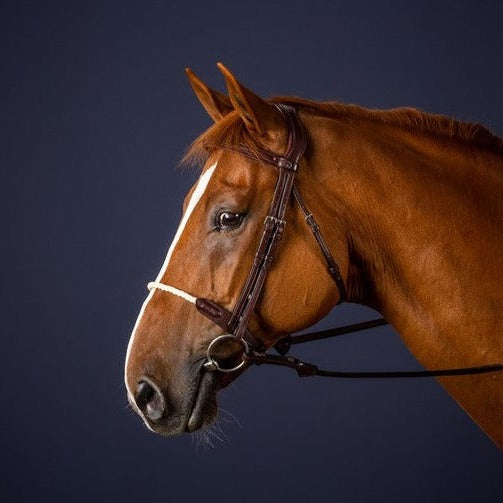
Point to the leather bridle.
(235, 323)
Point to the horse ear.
(215, 103)
(258, 115)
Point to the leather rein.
(235, 323)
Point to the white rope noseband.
(173, 290)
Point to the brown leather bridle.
(236, 323)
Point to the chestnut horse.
(410, 205)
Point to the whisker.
(234, 386)
(212, 432)
(200, 438)
(229, 418)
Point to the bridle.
(235, 323)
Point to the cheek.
(298, 291)
(220, 264)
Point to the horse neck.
(422, 219)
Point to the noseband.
(235, 323)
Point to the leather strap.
(285, 343)
(332, 266)
(274, 223)
(305, 369)
(220, 316)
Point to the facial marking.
(200, 189)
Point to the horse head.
(211, 256)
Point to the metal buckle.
(283, 162)
(275, 220)
(211, 364)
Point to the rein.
(235, 323)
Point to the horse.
(410, 208)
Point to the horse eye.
(228, 220)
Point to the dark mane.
(230, 130)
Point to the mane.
(231, 132)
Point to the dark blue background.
(95, 113)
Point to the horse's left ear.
(215, 103)
(258, 115)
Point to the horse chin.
(204, 402)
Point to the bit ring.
(212, 364)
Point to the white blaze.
(196, 196)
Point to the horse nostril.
(150, 400)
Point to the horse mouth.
(204, 404)
(203, 408)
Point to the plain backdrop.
(95, 113)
